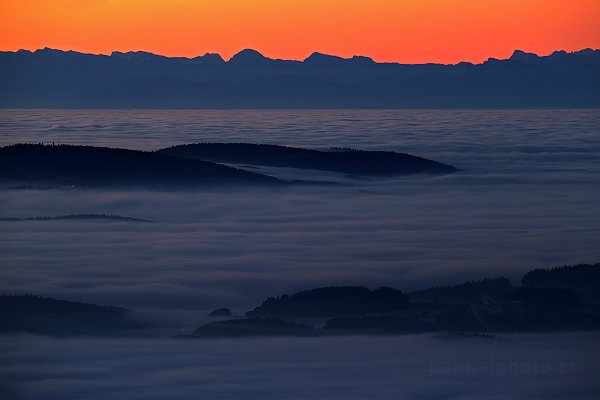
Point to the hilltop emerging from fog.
(346, 161)
(191, 166)
(58, 79)
(558, 299)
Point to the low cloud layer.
(232, 248)
(527, 198)
(556, 366)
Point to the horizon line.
(112, 53)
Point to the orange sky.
(407, 31)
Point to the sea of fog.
(542, 366)
(527, 197)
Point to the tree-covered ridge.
(473, 308)
(42, 315)
(113, 217)
(190, 166)
(342, 160)
(332, 301)
(70, 165)
(34, 305)
(471, 291)
(483, 307)
(582, 278)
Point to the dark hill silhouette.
(220, 312)
(99, 166)
(490, 305)
(584, 279)
(468, 292)
(471, 308)
(53, 78)
(536, 297)
(40, 315)
(332, 301)
(77, 217)
(349, 161)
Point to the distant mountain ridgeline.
(190, 166)
(53, 78)
(348, 161)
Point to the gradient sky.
(407, 31)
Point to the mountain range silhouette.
(53, 79)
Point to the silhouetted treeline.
(349, 161)
(582, 278)
(101, 166)
(77, 217)
(331, 301)
(40, 315)
(487, 306)
(468, 292)
(189, 166)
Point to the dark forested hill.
(41, 315)
(474, 308)
(584, 279)
(99, 166)
(332, 301)
(53, 78)
(468, 292)
(349, 161)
